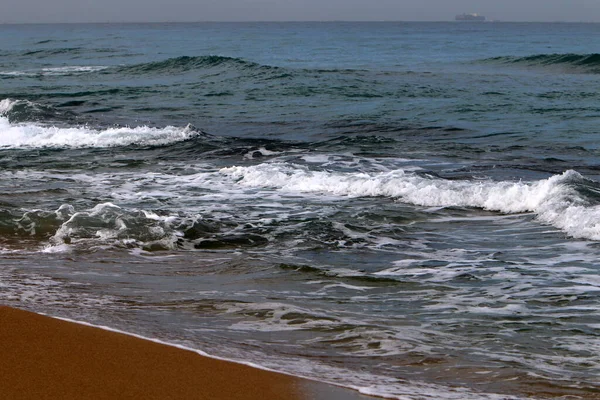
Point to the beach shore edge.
(45, 357)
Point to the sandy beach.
(48, 358)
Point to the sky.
(17, 11)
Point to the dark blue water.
(409, 209)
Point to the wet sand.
(48, 358)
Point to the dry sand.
(47, 358)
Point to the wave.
(212, 66)
(104, 223)
(582, 62)
(32, 135)
(37, 136)
(170, 65)
(558, 201)
(107, 223)
(55, 71)
(6, 105)
(185, 63)
(46, 41)
(15, 111)
(52, 52)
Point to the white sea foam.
(554, 200)
(73, 69)
(34, 135)
(32, 288)
(56, 71)
(107, 223)
(262, 151)
(6, 105)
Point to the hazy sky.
(267, 10)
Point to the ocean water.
(408, 209)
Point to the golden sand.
(47, 358)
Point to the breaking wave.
(31, 135)
(557, 201)
(107, 224)
(6, 105)
(15, 111)
(55, 71)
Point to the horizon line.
(295, 21)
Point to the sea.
(408, 209)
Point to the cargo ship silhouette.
(469, 17)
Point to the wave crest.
(556, 201)
(583, 62)
(25, 110)
(186, 63)
(31, 135)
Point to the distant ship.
(470, 17)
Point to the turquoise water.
(409, 209)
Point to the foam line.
(30, 135)
(555, 200)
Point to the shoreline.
(46, 357)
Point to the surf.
(555, 201)
(585, 63)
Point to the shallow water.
(409, 209)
